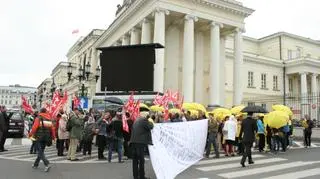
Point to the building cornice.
(275, 35)
(253, 58)
(303, 61)
(231, 6)
(121, 19)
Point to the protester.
(76, 124)
(5, 128)
(127, 136)
(101, 131)
(2, 129)
(230, 129)
(213, 126)
(89, 128)
(248, 129)
(117, 128)
(261, 130)
(43, 132)
(140, 139)
(63, 134)
(308, 131)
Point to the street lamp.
(83, 72)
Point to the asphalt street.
(296, 163)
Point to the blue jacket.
(260, 126)
(286, 128)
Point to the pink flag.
(75, 31)
(125, 126)
(26, 106)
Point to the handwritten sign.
(177, 146)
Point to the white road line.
(297, 175)
(267, 169)
(237, 165)
(225, 159)
(300, 144)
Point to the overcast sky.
(35, 35)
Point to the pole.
(284, 71)
(105, 97)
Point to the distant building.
(10, 96)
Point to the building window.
(5, 102)
(251, 104)
(275, 83)
(290, 85)
(10, 102)
(264, 106)
(263, 81)
(1, 101)
(298, 55)
(16, 102)
(289, 54)
(250, 79)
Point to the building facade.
(207, 58)
(10, 96)
(44, 92)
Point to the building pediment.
(303, 64)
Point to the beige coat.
(62, 131)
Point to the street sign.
(84, 102)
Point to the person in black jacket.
(140, 139)
(247, 135)
(5, 128)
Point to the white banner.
(177, 146)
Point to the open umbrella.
(237, 109)
(221, 113)
(174, 111)
(113, 107)
(254, 109)
(283, 108)
(156, 108)
(114, 100)
(276, 119)
(144, 107)
(200, 107)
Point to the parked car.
(16, 124)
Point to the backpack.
(45, 136)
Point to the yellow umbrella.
(156, 108)
(188, 106)
(174, 111)
(237, 109)
(221, 113)
(283, 108)
(194, 113)
(142, 105)
(276, 119)
(199, 107)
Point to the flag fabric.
(75, 31)
(58, 103)
(76, 102)
(157, 100)
(26, 106)
(125, 126)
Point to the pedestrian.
(75, 124)
(117, 128)
(44, 133)
(33, 145)
(5, 128)
(213, 126)
(230, 129)
(308, 131)
(101, 132)
(2, 128)
(63, 134)
(248, 129)
(127, 136)
(140, 139)
(261, 129)
(89, 128)
(238, 142)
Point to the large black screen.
(128, 68)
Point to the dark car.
(16, 124)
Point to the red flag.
(76, 102)
(157, 100)
(26, 106)
(125, 126)
(75, 31)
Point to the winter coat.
(248, 129)
(260, 126)
(77, 127)
(231, 127)
(62, 131)
(141, 132)
(88, 131)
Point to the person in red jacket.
(43, 132)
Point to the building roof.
(18, 89)
(277, 34)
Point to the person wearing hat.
(140, 139)
(248, 129)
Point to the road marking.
(212, 161)
(266, 169)
(297, 175)
(237, 165)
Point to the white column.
(125, 40)
(222, 70)
(199, 67)
(146, 31)
(188, 59)
(314, 87)
(237, 65)
(159, 37)
(287, 83)
(304, 91)
(134, 38)
(215, 64)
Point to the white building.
(10, 96)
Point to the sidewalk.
(298, 134)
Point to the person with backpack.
(44, 133)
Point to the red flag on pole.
(125, 126)
(75, 31)
(26, 106)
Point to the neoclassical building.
(207, 58)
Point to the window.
(290, 85)
(298, 54)
(5, 101)
(250, 79)
(1, 101)
(263, 81)
(264, 106)
(10, 101)
(289, 54)
(251, 104)
(275, 82)
(16, 102)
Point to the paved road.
(16, 164)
